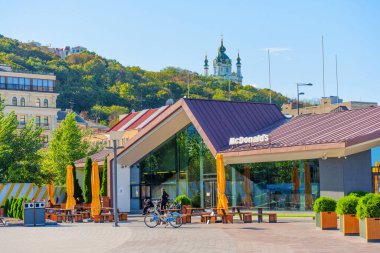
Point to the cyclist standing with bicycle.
(164, 199)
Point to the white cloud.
(277, 49)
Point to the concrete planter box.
(370, 229)
(349, 224)
(326, 220)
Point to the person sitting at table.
(49, 204)
(147, 204)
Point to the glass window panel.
(22, 101)
(46, 121)
(35, 84)
(38, 102)
(46, 103)
(14, 101)
(2, 82)
(27, 84)
(39, 84)
(135, 191)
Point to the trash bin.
(29, 214)
(39, 212)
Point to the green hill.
(87, 79)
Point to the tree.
(87, 194)
(77, 190)
(103, 190)
(19, 157)
(66, 146)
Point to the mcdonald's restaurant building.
(270, 160)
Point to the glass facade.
(184, 165)
(29, 84)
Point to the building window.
(46, 121)
(51, 85)
(21, 84)
(22, 121)
(46, 103)
(38, 121)
(27, 83)
(22, 101)
(2, 82)
(38, 102)
(45, 85)
(14, 101)
(39, 81)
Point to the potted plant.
(325, 216)
(186, 204)
(346, 209)
(368, 211)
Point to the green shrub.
(368, 206)
(347, 205)
(6, 206)
(9, 211)
(103, 190)
(324, 204)
(358, 194)
(19, 209)
(77, 190)
(183, 200)
(87, 194)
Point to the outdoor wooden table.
(260, 212)
(237, 208)
(224, 215)
(197, 209)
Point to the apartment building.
(30, 96)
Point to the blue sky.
(156, 34)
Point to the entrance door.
(210, 193)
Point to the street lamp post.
(115, 136)
(298, 94)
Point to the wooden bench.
(208, 218)
(247, 217)
(272, 217)
(227, 218)
(78, 217)
(58, 217)
(123, 216)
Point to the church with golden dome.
(223, 66)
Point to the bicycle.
(152, 219)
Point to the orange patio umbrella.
(221, 180)
(50, 190)
(95, 190)
(70, 202)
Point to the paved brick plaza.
(289, 235)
